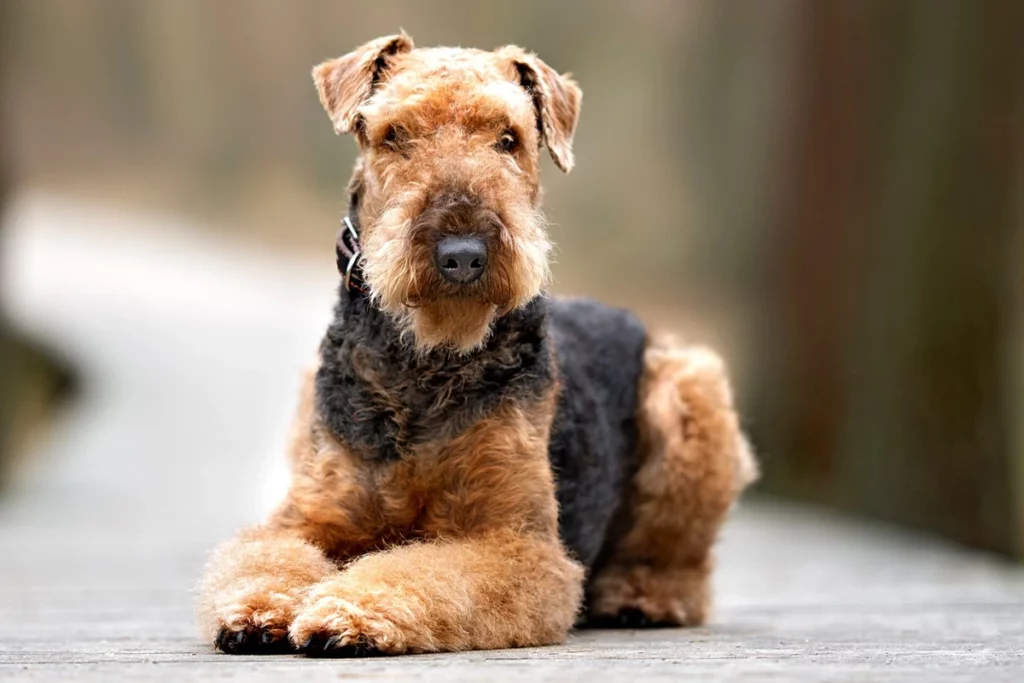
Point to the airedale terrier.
(474, 464)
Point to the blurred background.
(831, 192)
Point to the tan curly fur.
(456, 545)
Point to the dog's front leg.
(504, 589)
(489, 570)
(255, 584)
(253, 587)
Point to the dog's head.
(447, 180)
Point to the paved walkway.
(191, 353)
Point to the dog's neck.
(385, 399)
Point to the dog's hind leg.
(693, 464)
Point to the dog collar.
(349, 257)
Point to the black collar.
(349, 257)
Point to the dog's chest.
(384, 410)
(384, 400)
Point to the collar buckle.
(348, 255)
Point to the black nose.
(461, 259)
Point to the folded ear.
(346, 82)
(556, 99)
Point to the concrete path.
(191, 353)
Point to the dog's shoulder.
(596, 340)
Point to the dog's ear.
(346, 82)
(556, 99)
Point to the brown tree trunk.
(31, 381)
(886, 380)
(6, 344)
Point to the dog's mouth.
(476, 293)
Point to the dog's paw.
(627, 617)
(336, 622)
(256, 622)
(638, 597)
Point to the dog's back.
(599, 351)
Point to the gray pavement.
(191, 351)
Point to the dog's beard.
(405, 284)
(440, 314)
(460, 324)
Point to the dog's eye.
(508, 142)
(394, 137)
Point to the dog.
(476, 465)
